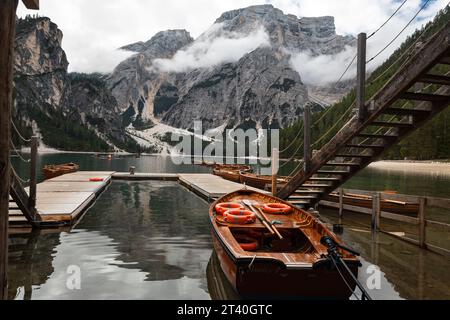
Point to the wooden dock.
(62, 200)
(210, 187)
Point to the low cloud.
(215, 47)
(323, 69)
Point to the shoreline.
(411, 166)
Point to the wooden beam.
(435, 79)
(7, 29)
(361, 77)
(422, 97)
(307, 138)
(406, 112)
(31, 4)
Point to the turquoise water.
(151, 240)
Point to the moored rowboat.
(230, 172)
(55, 170)
(259, 264)
(366, 201)
(259, 181)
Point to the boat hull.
(294, 264)
(59, 170)
(270, 279)
(407, 208)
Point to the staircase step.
(406, 112)
(445, 60)
(338, 172)
(311, 185)
(323, 179)
(342, 164)
(345, 155)
(307, 192)
(391, 124)
(423, 97)
(303, 197)
(377, 136)
(365, 146)
(435, 79)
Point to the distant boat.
(55, 170)
(365, 201)
(259, 181)
(259, 264)
(231, 172)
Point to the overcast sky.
(94, 29)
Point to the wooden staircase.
(362, 141)
(21, 209)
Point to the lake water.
(151, 240)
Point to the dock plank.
(211, 186)
(63, 199)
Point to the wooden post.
(361, 77)
(7, 29)
(422, 223)
(341, 203)
(375, 211)
(275, 160)
(307, 138)
(378, 212)
(33, 172)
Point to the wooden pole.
(422, 223)
(275, 160)
(307, 138)
(375, 211)
(361, 77)
(33, 172)
(341, 203)
(7, 29)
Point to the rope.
(18, 177)
(293, 156)
(395, 12)
(18, 133)
(345, 281)
(335, 125)
(407, 51)
(295, 170)
(294, 140)
(398, 35)
(18, 153)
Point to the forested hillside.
(430, 142)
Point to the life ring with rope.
(277, 208)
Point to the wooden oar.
(258, 216)
(273, 226)
(263, 219)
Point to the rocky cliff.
(193, 81)
(68, 111)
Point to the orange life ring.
(96, 179)
(225, 206)
(277, 208)
(239, 216)
(247, 243)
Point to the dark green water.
(151, 240)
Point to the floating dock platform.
(61, 201)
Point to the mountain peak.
(167, 40)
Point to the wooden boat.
(55, 170)
(230, 172)
(296, 266)
(259, 181)
(365, 201)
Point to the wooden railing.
(418, 220)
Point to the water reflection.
(139, 241)
(151, 240)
